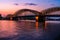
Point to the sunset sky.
(11, 6)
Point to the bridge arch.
(43, 12)
(50, 10)
(24, 10)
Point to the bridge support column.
(40, 19)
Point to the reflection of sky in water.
(7, 29)
(26, 30)
(13, 29)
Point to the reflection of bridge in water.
(38, 16)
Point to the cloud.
(31, 4)
(16, 4)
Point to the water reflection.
(37, 26)
(7, 28)
(26, 30)
(10, 29)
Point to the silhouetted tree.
(0, 17)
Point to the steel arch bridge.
(24, 10)
(40, 14)
(43, 12)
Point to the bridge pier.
(40, 19)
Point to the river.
(26, 30)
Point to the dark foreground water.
(26, 30)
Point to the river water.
(26, 30)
